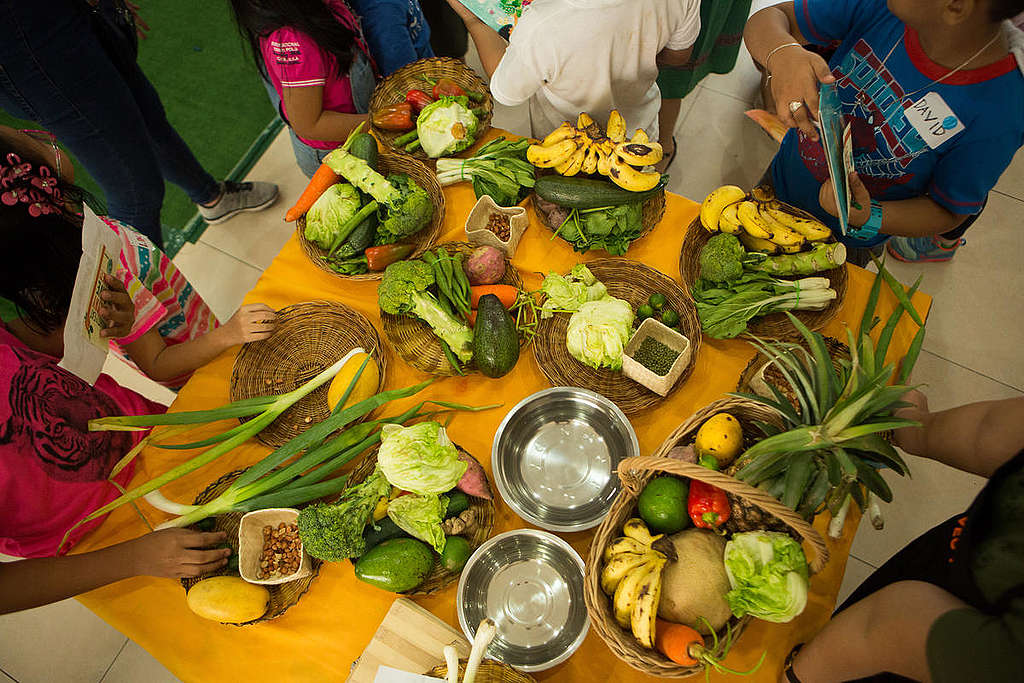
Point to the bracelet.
(766, 59)
(788, 666)
(872, 225)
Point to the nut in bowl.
(269, 549)
(496, 226)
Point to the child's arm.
(489, 45)
(164, 363)
(309, 119)
(669, 57)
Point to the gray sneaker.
(239, 197)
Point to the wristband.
(774, 50)
(872, 225)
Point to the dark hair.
(259, 18)
(999, 10)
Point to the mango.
(364, 388)
(228, 599)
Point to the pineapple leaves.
(874, 481)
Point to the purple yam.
(474, 481)
(684, 453)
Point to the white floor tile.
(742, 83)
(135, 665)
(60, 642)
(221, 279)
(934, 492)
(978, 302)
(4, 678)
(256, 237)
(856, 572)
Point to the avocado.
(364, 146)
(495, 341)
(396, 565)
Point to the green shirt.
(8, 311)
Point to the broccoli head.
(335, 532)
(722, 258)
(403, 291)
(406, 212)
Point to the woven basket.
(439, 577)
(635, 473)
(836, 350)
(282, 595)
(773, 325)
(414, 341)
(393, 89)
(387, 164)
(490, 671)
(310, 337)
(633, 282)
(652, 213)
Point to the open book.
(838, 144)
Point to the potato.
(695, 584)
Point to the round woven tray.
(282, 595)
(773, 325)
(392, 90)
(439, 577)
(633, 282)
(310, 338)
(635, 473)
(414, 341)
(652, 213)
(490, 671)
(389, 163)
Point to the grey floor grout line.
(980, 374)
(230, 255)
(7, 675)
(112, 661)
(1007, 195)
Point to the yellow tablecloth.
(318, 638)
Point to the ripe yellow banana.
(628, 178)
(563, 132)
(583, 120)
(645, 605)
(752, 221)
(763, 193)
(616, 127)
(791, 248)
(635, 528)
(781, 235)
(551, 156)
(624, 544)
(573, 164)
(604, 161)
(640, 136)
(715, 203)
(639, 153)
(590, 160)
(757, 244)
(627, 592)
(813, 230)
(729, 222)
(615, 570)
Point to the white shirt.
(572, 56)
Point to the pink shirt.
(293, 60)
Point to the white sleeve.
(688, 29)
(519, 75)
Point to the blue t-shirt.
(396, 31)
(891, 157)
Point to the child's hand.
(464, 13)
(251, 322)
(859, 198)
(118, 310)
(796, 75)
(177, 553)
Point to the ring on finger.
(795, 105)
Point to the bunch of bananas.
(585, 148)
(632, 577)
(760, 221)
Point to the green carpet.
(213, 97)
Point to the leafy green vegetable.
(611, 228)
(329, 212)
(407, 214)
(724, 309)
(335, 532)
(403, 291)
(446, 126)
(598, 332)
(722, 259)
(498, 169)
(572, 291)
(420, 458)
(420, 517)
(768, 574)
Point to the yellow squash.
(365, 387)
(228, 599)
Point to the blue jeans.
(55, 71)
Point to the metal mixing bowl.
(555, 455)
(531, 584)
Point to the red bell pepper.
(708, 505)
(394, 117)
(446, 86)
(418, 99)
(379, 258)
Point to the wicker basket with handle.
(490, 671)
(635, 473)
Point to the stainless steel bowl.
(555, 454)
(531, 584)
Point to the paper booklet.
(84, 349)
(501, 15)
(838, 144)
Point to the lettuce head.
(572, 291)
(329, 212)
(446, 126)
(768, 574)
(420, 517)
(598, 332)
(420, 458)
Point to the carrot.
(507, 294)
(318, 184)
(674, 641)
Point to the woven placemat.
(652, 213)
(310, 337)
(388, 163)
(633, 282)
(414, 341)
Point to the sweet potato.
(474, 481)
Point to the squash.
(364, 388)
(228, 599)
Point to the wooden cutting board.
(410, 638)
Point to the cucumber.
(385, 530)
(586, 193)
(457, 503)
(364, 146)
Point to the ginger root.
(464, 523)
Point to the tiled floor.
(972, 352)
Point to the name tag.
(933, 119)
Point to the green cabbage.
(598, 332)
(420, 458)
(446, 127)
(329, 212)
(420, 517)
(572, 291)
(768, 574)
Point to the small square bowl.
(250, 545)
(659, 384)
(476, 225)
